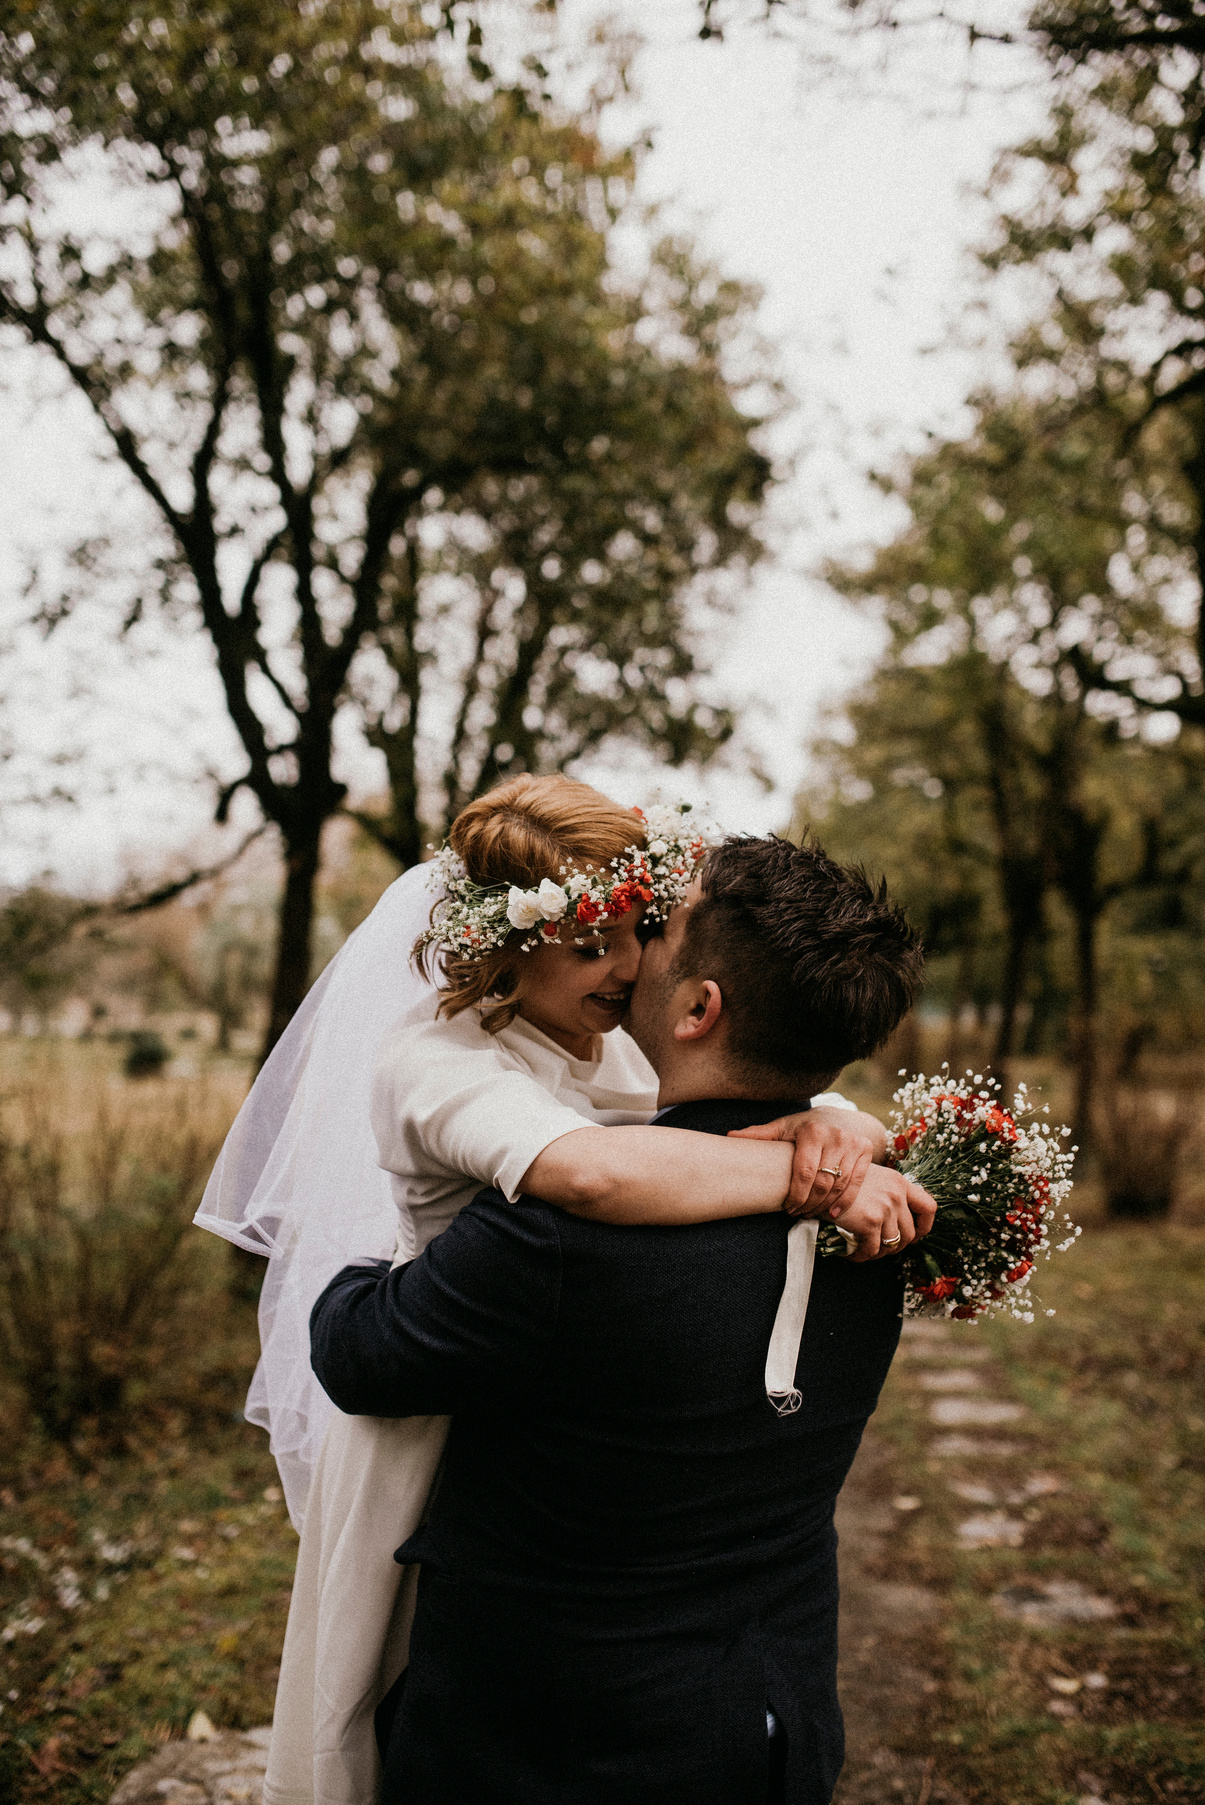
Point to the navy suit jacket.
(629, 1554)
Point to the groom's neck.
(704, 1080)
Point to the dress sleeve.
(832, 1100)
(441, 1101)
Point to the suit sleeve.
(471, 1318)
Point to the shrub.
(94, 1217)
(148, 1054)
(1142, 1136)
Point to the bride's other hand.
(888, 1205)
(827, 1142)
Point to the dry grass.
(97, 1194)
(1143, 1139)
(145, 1558)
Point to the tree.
(1014, 552)
(365, 322)
(1164, 43)
(558, 608)
(1072, 34)
(38, 954)
(1106, 206)
(897, 786)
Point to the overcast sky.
(851, 201)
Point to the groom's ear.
(704, 1008)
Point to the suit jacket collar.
(719, 1115)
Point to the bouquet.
(999, 1178)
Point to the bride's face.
(574, 992)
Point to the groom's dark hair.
(815, 964)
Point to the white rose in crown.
(552, 899)
(524, 908)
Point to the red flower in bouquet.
(999, 1177)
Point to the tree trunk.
(960, 1002)
(291, 979)
(1023, 889)
(1084, 1039)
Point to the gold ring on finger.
(894, 1241)
(833, 1171)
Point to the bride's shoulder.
(420, 1039)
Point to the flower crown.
(471, 920)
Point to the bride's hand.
(890, 1213)
(834, 1150)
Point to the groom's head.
(779, 968)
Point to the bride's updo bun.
(525, 830)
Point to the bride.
(397, 1093)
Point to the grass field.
(141, 1582)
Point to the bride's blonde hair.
(524, 830)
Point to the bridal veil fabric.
(297, 1179)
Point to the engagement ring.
(833, 1171)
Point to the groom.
(628, 1592)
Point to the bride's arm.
(445, 1101)
(662, 1175)
(659, 1175)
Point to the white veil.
(298, 1179)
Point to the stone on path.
(975, 1494)
(946, 1347)
(1038, 1485)
(994, 1530)
(967, 1447)
(1053, 1601)
(953, 1413)
(954, 1378)
(223, 1767)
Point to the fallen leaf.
(49, 1758)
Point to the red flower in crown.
(588, 911)
(626, 894)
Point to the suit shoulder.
(527, 1219)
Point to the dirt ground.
(882, 1688)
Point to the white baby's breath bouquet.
(1000, 1178)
